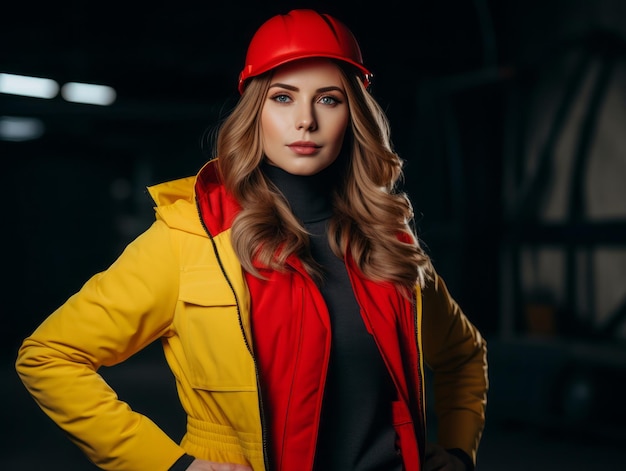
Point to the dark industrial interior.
(510, 117)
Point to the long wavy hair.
(372, 219)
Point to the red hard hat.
(298, 35)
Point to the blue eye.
(281, 98)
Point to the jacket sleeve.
(115, 314)
(457, 355)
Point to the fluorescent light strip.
(18, 129)
(88, 93)
(28, 86)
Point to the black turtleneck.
(356, 431)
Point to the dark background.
(450, 75)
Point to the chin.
(301, 166)
(302, 170)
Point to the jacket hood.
(183, 202)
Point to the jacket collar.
(191, 202)
(217, 208)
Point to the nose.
(305, 119)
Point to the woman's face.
(304, 116)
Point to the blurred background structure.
(510, 114)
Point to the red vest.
(291, 329)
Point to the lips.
(304, 147)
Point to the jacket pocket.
(210, 331)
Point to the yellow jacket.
(170, 284)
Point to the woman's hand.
(438, 459)
(203, 465)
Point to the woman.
(295, 305)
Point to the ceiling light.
(28, 86)
(18, 129)
(88, 93)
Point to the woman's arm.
(115, 314)
(457, 354)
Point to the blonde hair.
(372, 219)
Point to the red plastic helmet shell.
(300, 34)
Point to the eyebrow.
(295, 89)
